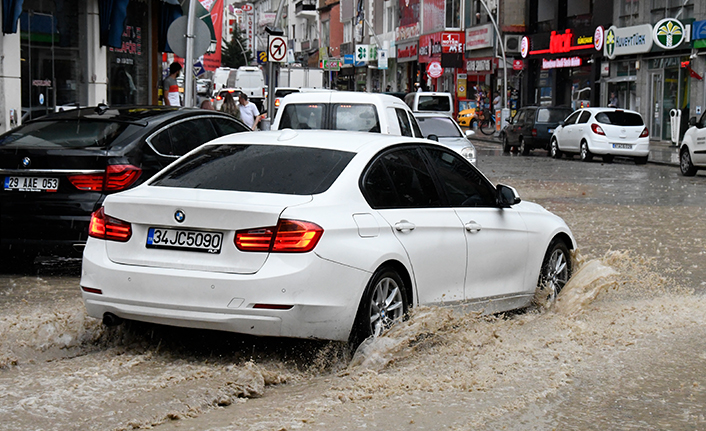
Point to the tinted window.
(405, 171)
(258, 168)
(433, 103)
(572, 118)
(187, 135)
(415, 126)
(552, 115)
(66, 134)
(303, 116)
(355, 117)
(282, 93)
(226, 127)
(585, 116)
(620, 118)
(440, 126)
(162, 144)
(403, 120)
(464, 186)
(520, 117)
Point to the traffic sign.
(199, 69)
(277, 49)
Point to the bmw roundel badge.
(26, 162)
(179, 216)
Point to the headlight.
(469, 153)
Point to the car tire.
(586, 155)
(506, 144)
(524, 149)
(474, 124)
(554, 150)
(608, 158)
(384, 303)
(641, 160)
(686, 166)
(554, 274)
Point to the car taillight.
(597, 129)
(534, 132)
(263, 91)
(289, 236)
(277, 102)
(645, 133)
(115, 178)
(103, 226)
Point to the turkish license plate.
(188, 240)
(623, 146)
(32, 184)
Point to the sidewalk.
(661, 152)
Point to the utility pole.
(272, 31)
(505, 110)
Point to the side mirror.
(692, 121)
(562, 123)
(433, 137)
(506, 196)
(470, 133)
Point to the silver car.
(445, 130)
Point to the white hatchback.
(317, 234)
(607, 132)
(692, 151)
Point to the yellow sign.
(263, 56)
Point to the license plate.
(623, 146)
(188, 240)
(32, 184)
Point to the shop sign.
(407, 32)
(479, 37)
(598, 38)
(407, 52)
(348, 59)
(451, 43)
(698, 34)
(669, 33)
(479, 66)
(561, 43)
(435, 70)
(558, 63)
(627, 40)
(429, 47)
(605, 69)
(409, 20)
(518, 64)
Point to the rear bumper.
(323, 295)
(639, 148)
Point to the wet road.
(624, 348)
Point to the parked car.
(532, 127)
(317, 234)
(467, 118)
(692, 151)
(203, 86)
(56, 170)
(347, 110)
(443, 129)
(430, 101)
(607, 132)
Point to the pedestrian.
(497, 103)
(230, 106)
(613, 102)
(248, 112)
(388, 88)
(171, 86)
(207, 104)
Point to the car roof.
(127, 114)
(606, 109)
(428, 114)
(343, 97)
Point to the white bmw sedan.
(606, 132)
(317, 234)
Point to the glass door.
(656, 107)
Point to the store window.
(476, 14)
(128, 66)
(453, 14)
(671, 8)
(629, 13)
(670, 90)
(50, 52)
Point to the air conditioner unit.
(512, 43)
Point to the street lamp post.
(505, 111)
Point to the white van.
(430, 101)
(220, 79)
(251, 81)
(347, 110)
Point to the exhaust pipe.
(110, 319)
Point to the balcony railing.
(305, 6)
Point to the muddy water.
(623, 349)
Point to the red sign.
(435, 70)
(562, 43)
(518, 65)
(247, 7)
(452, 42)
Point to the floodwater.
(623, 348)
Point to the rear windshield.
(63, 134)
(258, 168)
(300, 116)
(434, 103)
(439, 126)
(552, 115)
(355, 117)
(620, 118)
(282, 93)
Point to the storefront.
(128, 66)
(407, 56)
(441, 56)
(479, 67)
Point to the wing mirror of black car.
(692, 121)
(101, 108)
(506, 196)
(433, 137)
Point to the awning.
(11, 10)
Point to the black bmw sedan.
(56, 170)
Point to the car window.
(403, 120)
(225, 126)
(161, 143)
(702, 121)
(63, 134)
(187, 135)
(433, 103)
(520, 116)
(258, 168)
(415, 126)
(545, 115)
(620, 118)
(464, 185)
(442, 127)
(400, 179)
(303, 116)
(572, 118)
(585, 116)
(355, 117)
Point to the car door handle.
(473, 226)
(404, 225)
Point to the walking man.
(248, 112)
(171, 86)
